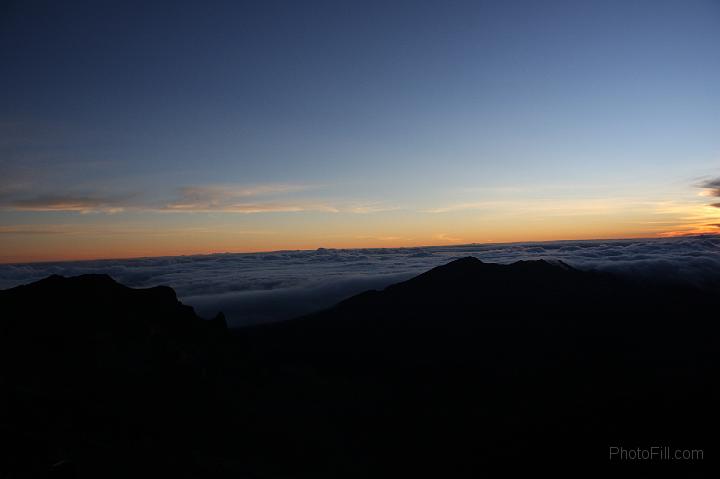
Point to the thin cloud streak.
(550, 206)
(70, 203)
(711, 188)
(447, 239)
(29, 230)
(242, 199)
(270, 198)
(713, 185)
(463, 207)
(248, 208)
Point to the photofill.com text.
(655, 453)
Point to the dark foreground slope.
(473, 365)
(97, 377)
(459, 370)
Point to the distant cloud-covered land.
(259, 287)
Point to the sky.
(132, 129)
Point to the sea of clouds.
(260, 287)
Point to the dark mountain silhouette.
(474, 364)
(462, 369)
(96, 376)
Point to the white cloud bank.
(260, 287)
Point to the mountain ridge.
(459, 369)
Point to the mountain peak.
(470, 269)
(465, 260)
(82, 280)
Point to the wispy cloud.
(546, 206)
(445, 238)
(22, 230)
(243, 199)
(220, 193)
(250, 207)
(713, 184)
(478, 205)
(711, 188)
(71, 203)
(696, 218)
(366, 208)
(384, 238)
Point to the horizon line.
(474, 243)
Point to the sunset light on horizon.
(280, 126)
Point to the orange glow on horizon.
(164, 251)
(124, 237)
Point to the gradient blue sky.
(146, 128)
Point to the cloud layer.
(261, 287)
